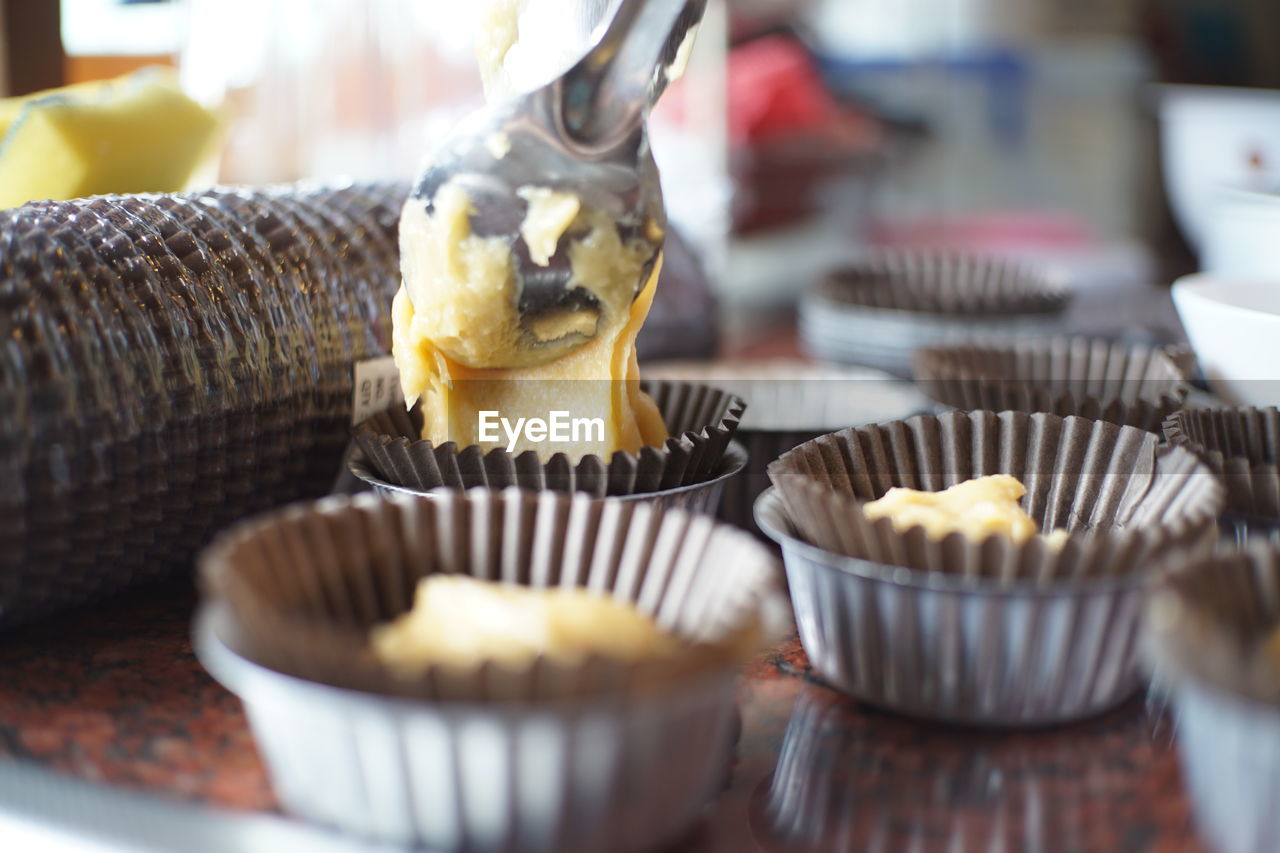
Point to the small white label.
(377, 388)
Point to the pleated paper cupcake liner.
(961, 650)
(1183, 357)
(593, 754)
(176, 362)
(700, 419)
(705, 497)
(578, 778)
(882, 310)
(1126, 504)
(1127, 384)
(1206, 635)
(307, 584)
(1242, 446)
(944, 283)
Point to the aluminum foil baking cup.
(1128, 384)
(700, 419)
(790, 403)
(1127, 504)
(1242, 446)
(706, 497)
(593, 754)
(1205, 631)
(973, 651)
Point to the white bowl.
(1212, 138)
(1240, 236)
(1234, 327)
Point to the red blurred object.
(789, 136)
(775, 90)
(985, 232)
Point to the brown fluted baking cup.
(944, 283)
(1209, 636)
(700, 419)
(305, 586)
(1242, 446)
(1127, 384)
(1182, 356)
(1126, 503)
(1212, 619)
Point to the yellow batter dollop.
(460, 621)
(460, 347)
(977, 508)
(497, 33)
(550, 215)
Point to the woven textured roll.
(170, 363)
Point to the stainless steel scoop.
(582, 133)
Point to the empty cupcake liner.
(1126, 503)
(605, 775)
(1128, 384)
(944, 283)
(1242, 446)
(879, 312)
(790, 403)
(705, 497)
(701, 420)
(962, 650)
(554, 756)
(1204, 632)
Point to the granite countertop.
(113, 694)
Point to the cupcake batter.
(460, 341)
(460, 346)
(977, 508)
(460, 621)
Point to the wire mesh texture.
(171, 363)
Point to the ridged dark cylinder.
(171, 363)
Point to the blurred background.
(1107, 139)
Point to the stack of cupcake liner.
(1242, 446)
(1210, 633)
(555, 755)
(690, 468)
(1128, 384)
(878, 312)
(173, 363)
(991, 632)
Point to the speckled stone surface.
(114, 694)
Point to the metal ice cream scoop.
(582, 133)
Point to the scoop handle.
(606, 95)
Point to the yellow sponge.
(136, 134)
